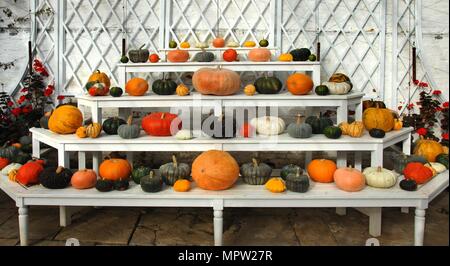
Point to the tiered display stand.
(370, 200)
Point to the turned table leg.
(419, 227)
(65, 219)
(218, 225)
(23, 225)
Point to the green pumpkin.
(299, 130)
(121, 185)
(408, 185)
(300, 54)
(104, 185)
(25, 140)
(151, 183)
(255, 173)
(171, 172)
(22, 157)
(164, 87)
(297, 182)
(87, 87)
(322, 90)
(377, 133)
(139, 55)
(268, 85)
(290, 169)
(111, 125)
(43, 122)
(332, 132)
(401, 160)
(139, 172)
(129, 130)
(116, 91)
(442, 159)
(318, 123)
(9, 152)
(55, 177)
(204, 57)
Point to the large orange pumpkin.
(178, 56)
(216, 81)
(259, 55)
(100, 77)
(321, 170)
(65, 119)
(379, 118)
(115, 169)
(299, 84)
(215, 170)
(136, 87)
(349, 179)
(428, 148)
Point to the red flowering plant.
(18, 116)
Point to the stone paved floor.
(193, 226)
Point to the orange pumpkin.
(215, 170)
(349, 179)
(100, 77)
(17, 145)
(218, 42)
(182, 185)
(178, 56)
(136, 87)
(28, 174)
(299, 84)
(84, 179)
(321, 170)
(259, 55)
(417, 172)
(65, 119)
(216, 81)
(115, 169)
(379, 118)
(428, 148)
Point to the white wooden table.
(241, 195)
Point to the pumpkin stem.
(299, 119)
(255, 162)
(163, 115)
(142, 46)
(174, 160)
(379, 169)
(59, 169)
(130, 120)
(298, 172)
(151, 174)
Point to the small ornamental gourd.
(250, 90)
(299, 84)
(268, 85)
(164, 86)
(151, 183)
(201, 45)
(171, 172)
(428, 148)
(182, 185)
(377, 133)
(185, 45)
(322, 90)
(349, 179)
(10, 167)
(398, 124)
(299, 129)
(116, 92)
(318, 123)
(81, 132)
(121, 185)
(249, 44)
(417, 172)
(104, 185)
(182, 90)
(115, 169)
(379, 177)
(408, 185)
(332, 132)
(93, 130)
(401, 160)
(442, 159)
(84, 179)
(336, 88)
(55, 177)
(12, 175)
(438, 167)
(184, 134)
(275, 185)
(129, 130)
(290, 169)
(285, 58)
(111, 125)
(297, 182)
(233, 44)
(268, 125)
(321, 170)
(139, 172)
(354, 129)
(255, 173)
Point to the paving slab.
(8, 242)
(311, 229)
(349, 230)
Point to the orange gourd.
(428, 148)
(115, 169)
(417, 172)
(349, 179)
(182, 185)
(215, 170)
(216, 81)
(218, 42)
(136, 87)
(100, 77)
(178, 56)
(259, 55)
(398, 124)
(299, 84)
(81, 132)
(321, 170)
(28, 174)
(84, 179)
(3, 162)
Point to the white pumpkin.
(336, 88)
(9, 167)
(440, 168)
(201, 45)
(233, 44)
(379, 177)
(184, 134)
(268, 125)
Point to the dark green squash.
(25, 140)
(111, 125)
(299, 129)
(121, 185)
(297, 182)
(204, 56)
(268, 85)
(322, 90)
(377, 133)
(255, 173)
(139, 172)
(401, 160)
(332, 132)
(22, 157)
(171, 172)
(443, 159)
(9, 152)
(164, 86)
(116, 91)
(104, 185)
(301, 54)
(151, 183)
(220, 127)
(55, 177)
(318, 123)
(290, 169)
(408, 185)
(139, 55)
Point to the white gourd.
(440, 168)
(336, 88)
(379, 177)
(184, 135)
(201, 45)
(9, 167)
(232, 44)
(268, 125)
